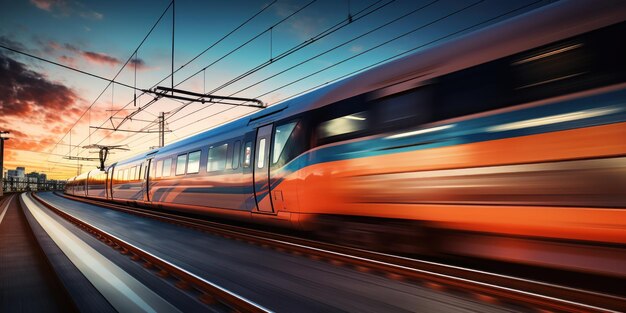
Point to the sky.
(51, 111)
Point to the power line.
(410, 50)
(343, 23)
(373, 48)
(288, 52)
(297, 47)
(197, 56)
(281, 21)
(356, 55)
(250, 40)
(65, 66)
(116, 75)
(316, 56)
(385, 60)
(382, 61)
(240, 46)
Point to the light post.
(2, 139)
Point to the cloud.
(6, 41)
(140, 64)
(67, 60)
(54, 46)
(25, 93)
(22, 141)
(72, 48)
(65, 8)
(29, 98)
(97, 58)
(44, 4)
(100, 58)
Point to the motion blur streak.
(555, 119)
(124, 292)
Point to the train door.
(146, 180)
(109, 184)
(262, 168)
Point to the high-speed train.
(507, 143)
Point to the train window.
(236, 154)
(343, 125)
(133, 173)
(280, 139)
(159, 168)
(217, 158)
(139, 171)
(261, 160)
(550, 71)
(125, 175)
(167, 167)
(460, 93)
(181, 162)
(247, 154)
(403, 110)
(193, 163)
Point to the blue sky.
(98, 36)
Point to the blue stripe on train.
(584, 112)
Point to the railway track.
(214, 296)
(482, 285)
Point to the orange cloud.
(100, 58)
(28, 98)
(64, 8)
(97, 58)
(71, 61)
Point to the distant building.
(17, 180)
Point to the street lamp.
(2, 139)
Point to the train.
(506, 143)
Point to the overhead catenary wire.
(411, 50)
(400, 54)
(281, 21)
(404, 15)
(349, 41)
(382, 61)
(242, 45)
(188, 62)
(374, 47)
(340, 25)
(324, 33)
(290, 51)
(116, 75)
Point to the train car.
(507, 143)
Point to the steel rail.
(483, 284)
(210, 292)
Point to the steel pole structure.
(1, 166)
(2, 139)
(162, 129)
